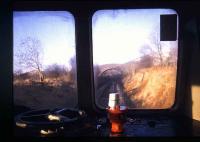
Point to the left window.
(44, 59)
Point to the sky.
(117, 35)
(55, 30)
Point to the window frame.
(44, 10)
(182, 68)
(176, 99)
(83, 27)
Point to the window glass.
(44, 62)
(129, 58)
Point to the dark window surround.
(83, 11)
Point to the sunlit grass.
(156, 89)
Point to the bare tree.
(146, 59)
(145, 50)
(55, 70)
(156, 50)
(29, 55)
(173, 53)
(73, 68)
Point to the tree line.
(29, 55)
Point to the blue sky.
(55, 30)
(117, 35)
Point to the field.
(141, 88)
(52, 93)
(155, 87)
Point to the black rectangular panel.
(168, 27)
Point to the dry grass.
(156, 87)
(52, 93)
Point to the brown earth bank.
(144, 88)
(52, 93)
(151, 88)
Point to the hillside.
(52, 93)
(151, 87)
(146, 88)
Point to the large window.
(129, 58)
(44, 71)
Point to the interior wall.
(195, 90)
(192, 98)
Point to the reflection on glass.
(44, 60)
(129, 58)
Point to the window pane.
(44, 59)
(129, 58)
